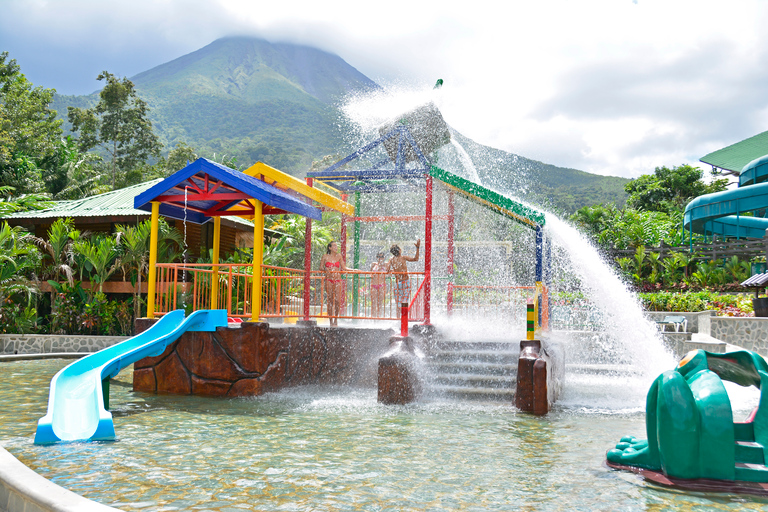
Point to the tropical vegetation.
(660, 264)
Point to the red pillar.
(344, 232)
(451, 251)
(428, 254)
(343, 235)
(307, 260)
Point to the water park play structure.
(693, 442)
(737, 213)
(203, 354)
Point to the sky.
(611, 87)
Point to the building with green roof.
(101, 213)
(732, 159)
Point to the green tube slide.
(738, 213)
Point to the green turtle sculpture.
(693, 442)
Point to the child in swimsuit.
(378, 286)
(398, 265)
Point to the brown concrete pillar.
(532, 379)
(399, 381)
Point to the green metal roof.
(109, 204)
(736, 156)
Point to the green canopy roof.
(734, 157)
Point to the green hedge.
(725, 305)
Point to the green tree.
(119, 125)
(18, 259)
(595, 219)
(668, 190)
(179, 157)
(10, 203)
(100, 256)
(29, 130)
(134, 258)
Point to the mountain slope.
(277, 103)
(248, 98)
(557, 189)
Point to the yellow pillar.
(258, 256)
(215, 273)
(152, 276)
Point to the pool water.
(336, 450)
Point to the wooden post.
(152, 274)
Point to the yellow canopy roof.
(284, 181)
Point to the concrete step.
(475, 393)
(475, 380)
(751, 472)
(474, 367)
(474, 355)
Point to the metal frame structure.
(381, 177)
(205, 190)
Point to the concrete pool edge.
(23, 490)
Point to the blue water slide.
(76, 409)
(721, 213)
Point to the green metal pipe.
(356, 260)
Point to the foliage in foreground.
(725, 305)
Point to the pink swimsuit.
(329, 265)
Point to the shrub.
(725, 305)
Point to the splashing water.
(466, 160)
(626, 350)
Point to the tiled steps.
(473, 370)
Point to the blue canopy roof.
(205, 189)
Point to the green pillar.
(356, 258)
(105, 392)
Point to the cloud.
(607, 86)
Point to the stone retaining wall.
(749, 332)
(48, 343)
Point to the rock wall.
(747, 332)
(46, 344)
(255, 358)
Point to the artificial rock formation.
(255, 358)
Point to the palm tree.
(18, 257)
(99, 255)
(134, 244)
(58, 249)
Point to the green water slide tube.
(754, 172)
(690, 427)
(723, 213)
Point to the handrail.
(283, 292)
